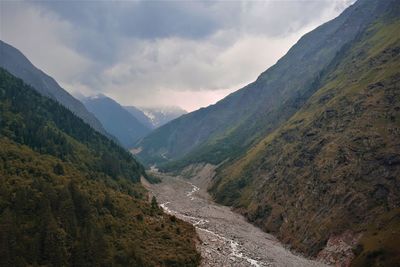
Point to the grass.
(379, 245)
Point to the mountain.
(116, 119)
(18, 65)
(155, 117)
(140, 116)
(72, 197)
(161, 115)
(311, 150)
(228, 128)
(330, 173)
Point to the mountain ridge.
(140, 116)
(17, 64)
(156, 117)
(238, 121)
(332, 168)
(72, 197)
(116, 119)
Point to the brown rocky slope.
(334, 166)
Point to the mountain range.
(102, 113)
(128, 123)
(158, 116)
(154, 117)
(116, 120)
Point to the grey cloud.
(140, 52)
(103, 23)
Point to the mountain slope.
(162, 115)
(156, 116)
(140, 116)
(17, 64)
(72, 197)
(116, 120)
(333, 167)
(237, 122)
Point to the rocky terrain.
(226, 238)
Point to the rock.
(339, 249)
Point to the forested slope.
(18, 65)
(70, 196)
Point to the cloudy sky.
(149, 53)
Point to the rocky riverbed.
(227, 239)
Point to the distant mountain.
(17, 64)
(156, 116)
(116, 120)
(162, 115)
(140, 116)
(72, 197)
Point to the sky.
(159, 53)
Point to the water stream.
(226, 238)
(236, 250)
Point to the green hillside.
(335, 164)
(70, 196)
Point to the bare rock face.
(339, 249)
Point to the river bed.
(227, 239)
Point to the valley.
(226, 238)
(167, 158)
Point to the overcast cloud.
(149, 53)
